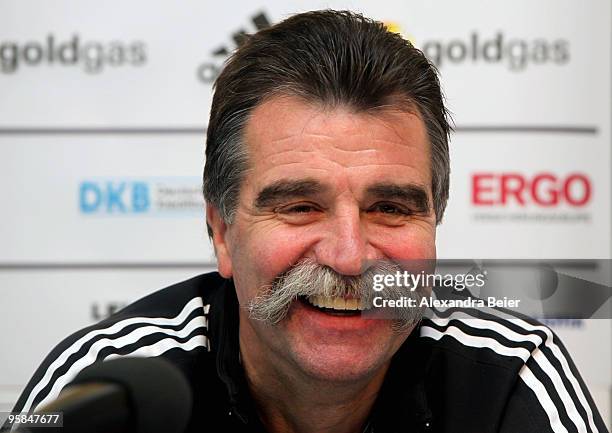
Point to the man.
(327, 163)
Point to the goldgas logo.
(497, 49)
(536, 196)
(516, 54)
(170, 196)
(89, 55)
(208, 71)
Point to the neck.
(289, 401)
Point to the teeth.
(337, 303)
(351, 304)
(325, 302)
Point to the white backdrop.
(103, 108)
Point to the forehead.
(289, 137)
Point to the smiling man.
(339, 188)
(331, 174)
(326, 164)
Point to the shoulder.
(486, 334)
(520, 359)
(173, 299)
(172, 322)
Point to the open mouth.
(335, 305)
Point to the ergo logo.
(542, 189)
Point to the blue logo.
(152, 196)
(114, 197)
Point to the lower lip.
(312, 317)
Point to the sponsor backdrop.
(103, 111)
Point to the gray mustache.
(308, 278)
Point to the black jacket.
(461, 370)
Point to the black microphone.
(136, 395)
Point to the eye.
(299, 209)
(389, 214)
(299, 213)
(389, 209)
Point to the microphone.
(136, 395)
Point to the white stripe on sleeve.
(192, 305)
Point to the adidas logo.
(207, 72)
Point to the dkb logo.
(114, 197)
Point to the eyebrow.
(282, 190)
(415, 195)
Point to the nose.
(344, 247)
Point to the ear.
(219, 238)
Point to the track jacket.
(461, 370)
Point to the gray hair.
(309, 278)
(332, 58)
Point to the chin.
(339, 365)
(339, 349)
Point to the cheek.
(408, 244)
(269, 253)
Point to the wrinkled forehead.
(289, 137)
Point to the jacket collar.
(223, 327)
